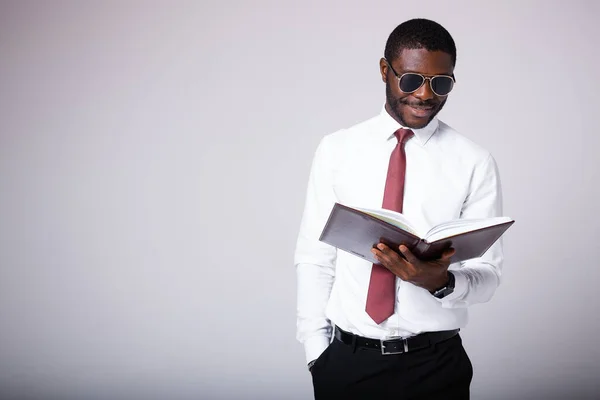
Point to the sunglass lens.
(442, 85)
(410, 82)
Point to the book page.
(391, 217)
(459, 226)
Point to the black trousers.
(442, 371)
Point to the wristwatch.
(446, 290)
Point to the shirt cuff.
(461, 285)
(314, 346)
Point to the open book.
(357, 230)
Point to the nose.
(425, 92)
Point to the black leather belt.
(395, 346)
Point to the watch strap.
(446, 290)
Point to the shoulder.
(350, 136)
(357, 131)
(451, 141)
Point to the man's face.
(415, 110)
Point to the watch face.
(443, 292)
(440, 294)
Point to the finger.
(382, 246)
(391, 254)
(377, 253)
(410, 257)
(390, 260)
(447, 254)
(382, 253)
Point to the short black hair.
(419, 33)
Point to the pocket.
(321, 359)
(468, 365)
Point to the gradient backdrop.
(153, 163)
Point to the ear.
(383, 69)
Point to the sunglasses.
(410, 82)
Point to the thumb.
(447, 254)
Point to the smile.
(421, 112)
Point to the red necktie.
(382, 286)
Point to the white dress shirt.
(447, 177)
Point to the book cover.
(356, 232)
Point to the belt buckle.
(399, 345)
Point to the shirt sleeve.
(314, 260)
(477, 279)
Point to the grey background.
(153, 162)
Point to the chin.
(416, 123)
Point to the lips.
(421, 112)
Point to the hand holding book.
(429, 275)
(358, 230)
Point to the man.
(390, 330)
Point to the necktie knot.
(403, 135)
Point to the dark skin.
(430, 275)
(415, 110)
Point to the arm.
(478, 279)
(315, 260)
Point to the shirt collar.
(389, 125)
